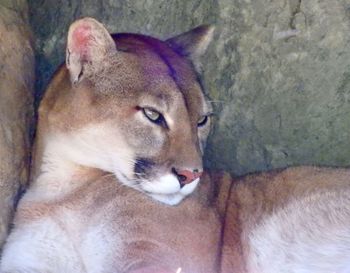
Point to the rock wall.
(278, 71)
(283, 80)
(16, 90)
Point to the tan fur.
(257, 197)
(79, 216)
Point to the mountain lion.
(117, 163)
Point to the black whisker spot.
(142, 166)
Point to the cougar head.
(133, 105)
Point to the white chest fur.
(298, 237)
(65, 241)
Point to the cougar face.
(133, 106)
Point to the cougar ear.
(88, 43)
(194, 43)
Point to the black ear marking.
(68, 57)
(80, 75)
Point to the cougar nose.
(187, 176)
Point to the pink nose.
(187, 176)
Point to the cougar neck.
(55, 175)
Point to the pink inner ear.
(81, 38)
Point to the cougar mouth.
(165, 189)
(177, 197)
(163, 185)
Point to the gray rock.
(283, 77)
(50, 21)
(278, 72)
(16, 92)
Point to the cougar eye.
(202, 121)
(154, 116)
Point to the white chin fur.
(166, 189)
(166, 184)
(169, 199)
(175, 198)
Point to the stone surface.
(16, 90)
(284, 74)
(51, 18)
(278, 72)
